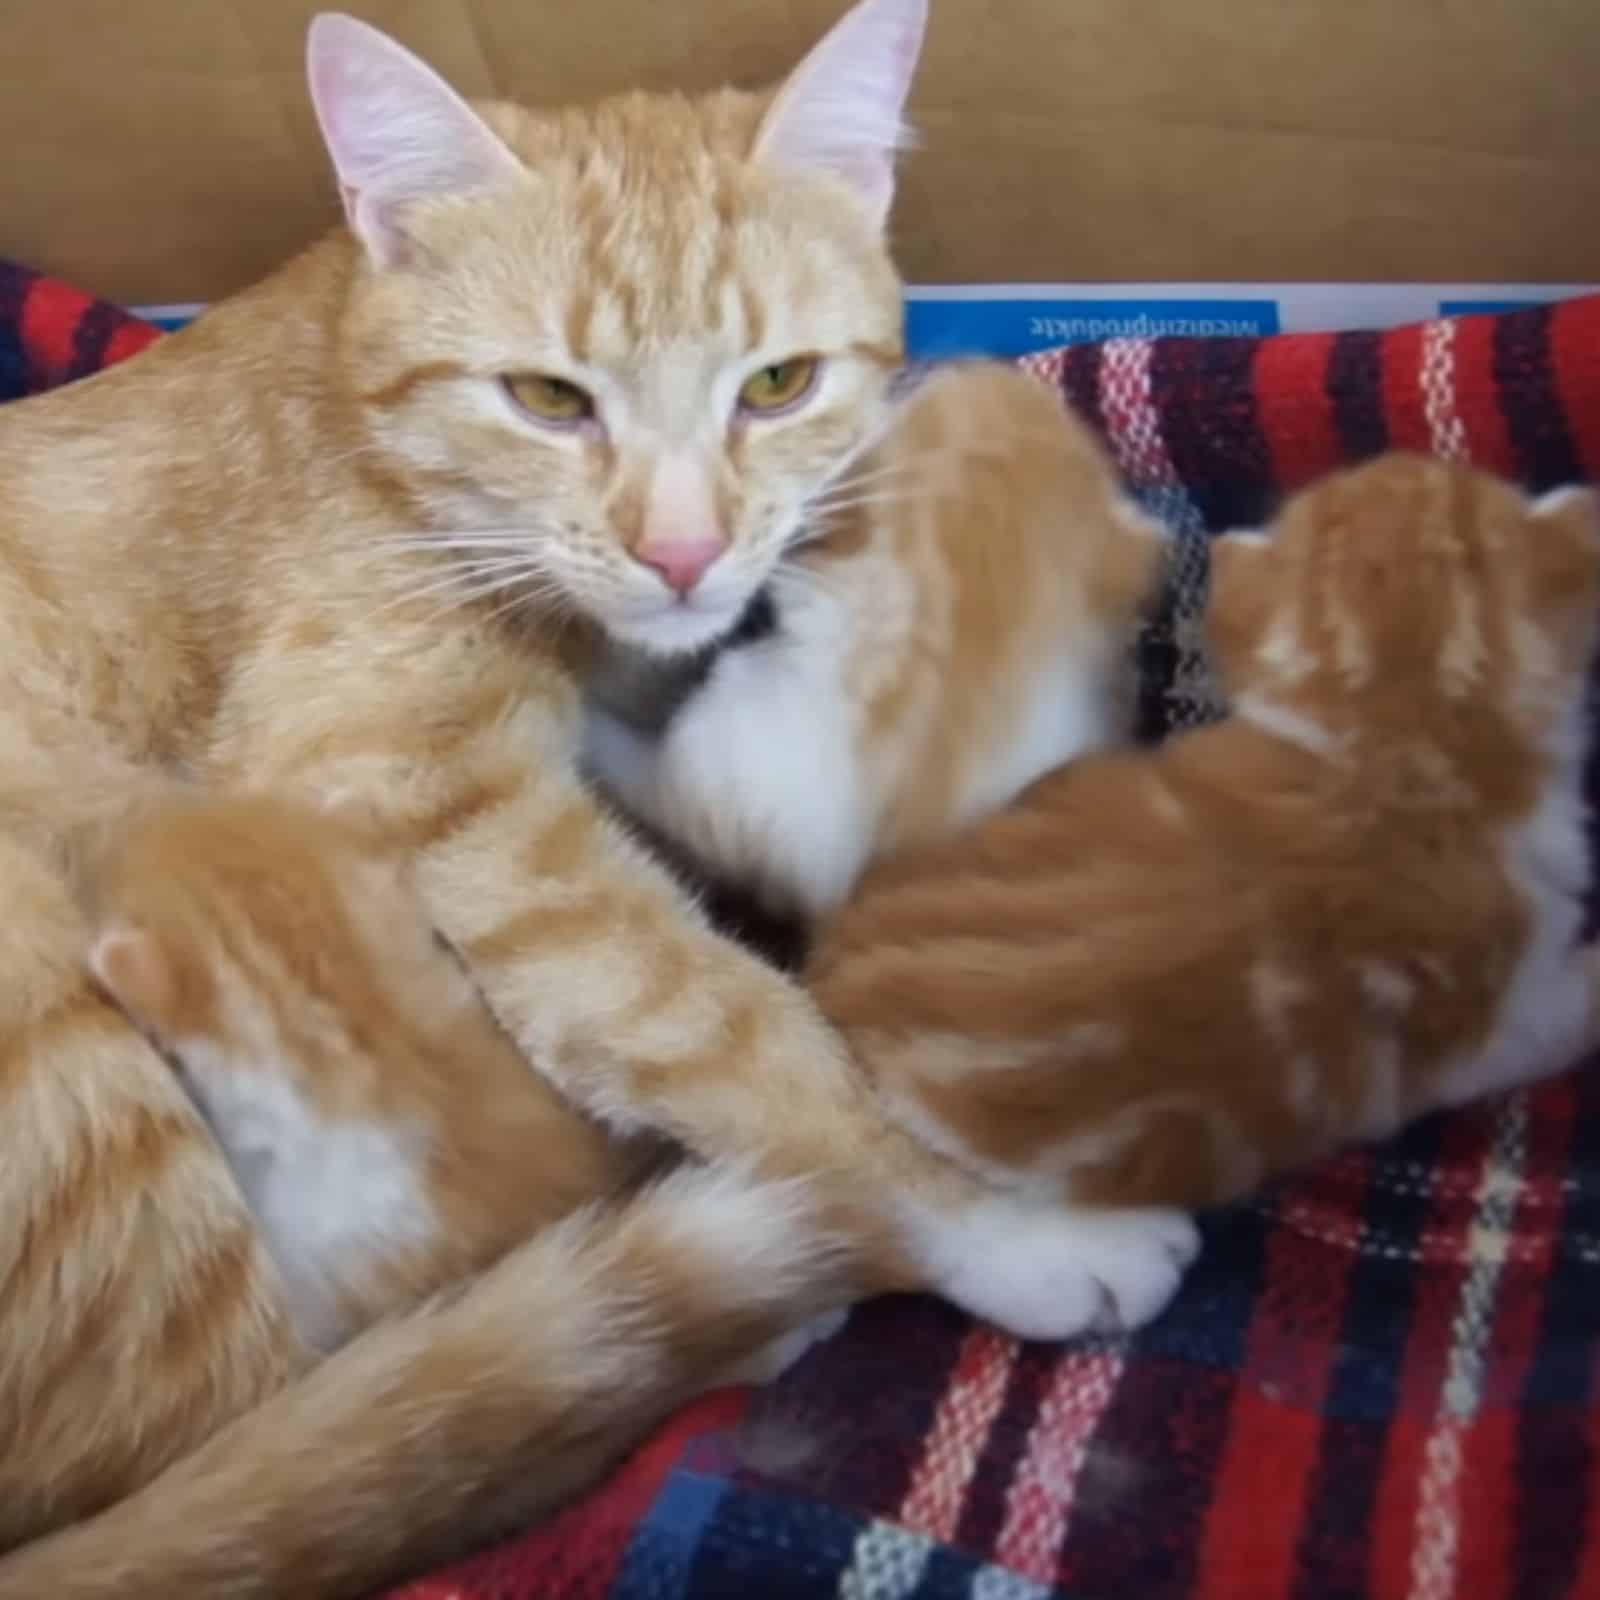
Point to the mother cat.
(347, 538)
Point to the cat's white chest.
(333, 1198)
(757, 771)
(1069, 709)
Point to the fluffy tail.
(437, 1432)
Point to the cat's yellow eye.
(777, 387)
(550, 399)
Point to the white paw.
(1050, 1274)
(771, 1361)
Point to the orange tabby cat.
(958, 626)
(563, 373)
(1165, 975)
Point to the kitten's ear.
(1563, 552)
(1573, 514)
(133, 968)
(397, 133)
(1131, 564)
(840, 111)
(1239, 604)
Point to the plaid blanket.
(1383, 1378)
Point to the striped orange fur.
(1163, 976)
(385, 1130)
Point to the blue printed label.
(1470, 308)
(938, 329)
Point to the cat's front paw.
(1052, 1273)
(1138, 1257)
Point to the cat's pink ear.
(397, 133)
(134, 970)
(841, 111)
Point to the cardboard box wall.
(161, 150)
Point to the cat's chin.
(677, 631)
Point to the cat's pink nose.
(682, 562)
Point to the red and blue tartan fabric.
(51, 333)
(1383, 1378)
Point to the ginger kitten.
(1164, 975)
(957, 619)
(386, 1132)
(562, 375)
(384, 1129)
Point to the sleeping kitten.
(959, 620)
(384, 1129)
(387, 1134)
(1163, 976)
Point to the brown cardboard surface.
(164, 149)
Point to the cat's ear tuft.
(841, 111)
(131, 966)
(396, 132)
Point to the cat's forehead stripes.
(655, 195)
(638, 283)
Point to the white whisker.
(484, 564)
(471, 539)
(519, 596)
(888, 470)
(887, 498)
(454, 589)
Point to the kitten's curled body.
(1165, 975)
(343, 540)
(959, 626)
(383, 1128)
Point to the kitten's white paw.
(771, 1361)
(1050, 1274)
